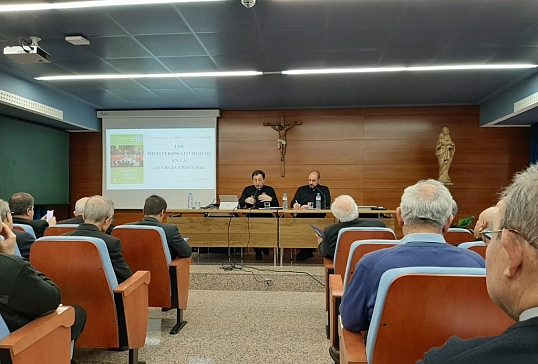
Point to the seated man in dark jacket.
(26, 293)
(154, 209)
(98, 215)
(24, 239)
(21, 205)
(345, 210)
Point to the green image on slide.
(127, 159)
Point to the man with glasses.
(98, 215)
(512, 278)
(21, 205)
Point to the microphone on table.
(257, 190)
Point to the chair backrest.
(145, 248)
(361, 247)
(81, 268)
(434, 303)
(4, 331)
(59, 229)
(17, 251)
(455, 236)
(347, 236)
(24, 227)
(476, 246)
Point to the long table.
(241, 228)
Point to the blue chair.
(45, 340)
(24, 227)
(146, 248)
(117, 315)
(476, 246)
(418, 308)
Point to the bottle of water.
(318, 202)
(285, 201)
(190, 203)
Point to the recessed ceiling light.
(77, 40)
(90, 4)
(155, 75)
(409, 69)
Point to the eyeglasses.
(487, 235)
(112, 219)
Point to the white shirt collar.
(528, 314)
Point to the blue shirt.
(423, 250)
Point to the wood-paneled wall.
(370, 154)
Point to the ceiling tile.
(247, 42)
(172, 45)
(189, 64)
(155, 19)
(294, 41)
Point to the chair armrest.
(180, 268)
(131, 299)
(133, 282)
(45, 339)
(336, 287)
(328, 263)
(329, 269)
(352, 347)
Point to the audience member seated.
(511, 266)
(154, 209)
(425, 214)
(484, 222)
(21, 205)
(25, 293)
(24, 239)
(98, 215)
(79, 215)
(345, 210)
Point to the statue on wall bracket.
(445, 151)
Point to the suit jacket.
(176, 244)
(328, 244)
(113, 246)
(25, 293)
(39, 226)
(80, 220)
(517, 345)
(24, 242)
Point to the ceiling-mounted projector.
(31, 53)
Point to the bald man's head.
(485, 220)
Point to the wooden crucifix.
(282, 129)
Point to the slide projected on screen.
(157, 159)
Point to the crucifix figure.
(282, 129)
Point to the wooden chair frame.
(145, 248)
(117, 315)
(45, 340)
(407, 322)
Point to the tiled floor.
(233, 317)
